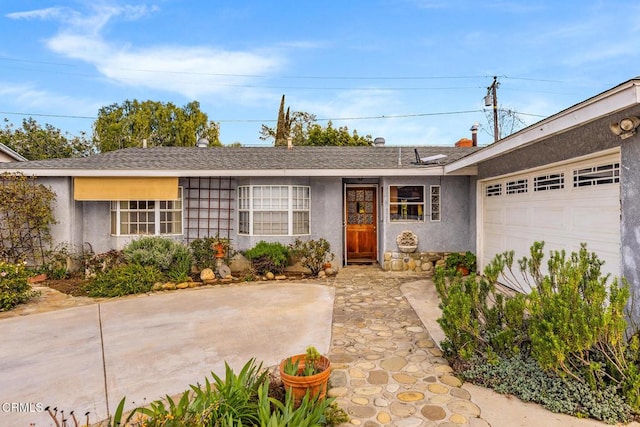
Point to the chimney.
(144, 143)
(378, 142)
(289, 143)
(474, 134)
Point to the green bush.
(203, 252)
(14, 287)
(268, 256)
(572, 323)
(242, 399)
(124, 280)
(313, 253)
(167, 255)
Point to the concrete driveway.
(143, 347)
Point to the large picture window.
(406, 203)
(153, 217)
(273, 210)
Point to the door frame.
(344, 216)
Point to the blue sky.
(412, 71)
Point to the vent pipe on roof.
(202, 143)
(144, 143)
(474, 134)
(378, 142)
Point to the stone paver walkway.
(387, 370)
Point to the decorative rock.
(404, 378)
(322, 275)
(440, 399)
(395, 363)
(387, 256)
(409, 422)
(207, 274)
(360, 400)
(169, 286)
(460, 393)
(444, 368)
(397, 265)
(280, 277)
(381, 402)
(383, 417)
(401, 409)
(270, 275)
(410, 396)
(193, 284)
(438, 389)
(378, 377)
(392, 388)
(337, 391)
(356, 373)
(158, 286)
(458, 419)
(433, 412)
(360, 411)
(367, 390)
(183, 285)
(450, 380)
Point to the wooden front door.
(361, 215)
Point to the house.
(8, 155)
(358, 198)
(573, 177)
(567, 179)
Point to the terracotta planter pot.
(463, 270)
(315, 384)
(37, 279)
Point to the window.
(597, 175)
(493, 190)
(154, 217)
(553, 181)
(406, 203)
(517, 187)
(434, 190)
(273, 210)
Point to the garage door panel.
(549, 217)
(562, 218)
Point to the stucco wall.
(590, 138)
(326, 212)
(452, 233)
(630, 223)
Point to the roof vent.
(378, 142)
(202, 143)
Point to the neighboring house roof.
(12, 154)
(618, 98)
(249, 161)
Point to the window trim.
(431, 195)
(423, 204)
(157, 211)
(247, 209)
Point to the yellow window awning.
(117, 188)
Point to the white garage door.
(562, 206)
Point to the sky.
(414, 72)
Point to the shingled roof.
(183, 161)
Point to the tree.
(26, 216)
(302, 128)
(37, 143)
(166, 125)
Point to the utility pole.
(492, 99)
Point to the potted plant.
(461, 262)
(306, 373)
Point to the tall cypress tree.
(281, 133)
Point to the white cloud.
(190, 71)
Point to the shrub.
(124, 280)
(313, 253)
(14, 287)
(268, 256)
(572, 323)
(103, 262)
(167, 255)
(523, 377)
